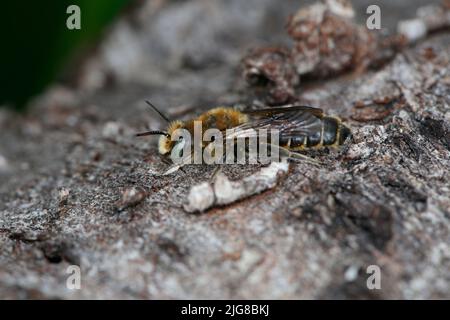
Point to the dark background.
(37, 43)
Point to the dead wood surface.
(75, 184)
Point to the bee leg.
(182, 170)
(156, 173)
(216, 171)
(165, 160)
(178, 166)
(298, 157)
(171, 169)
(282, 152)
(293, 156)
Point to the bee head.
(166, 144)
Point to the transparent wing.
(291, 121)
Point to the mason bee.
(299, 128)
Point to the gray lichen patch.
(200, 197)
(221, 191)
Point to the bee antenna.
(157, 111)
(153, 132)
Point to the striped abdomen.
(333, 133)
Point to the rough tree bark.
(76, 188)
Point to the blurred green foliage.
(37, 43)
